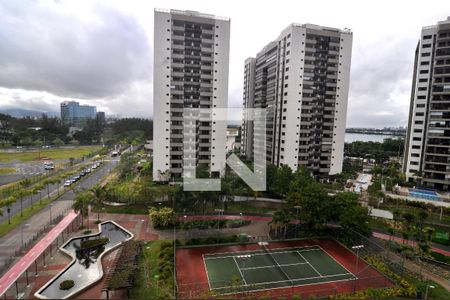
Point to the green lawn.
(64, 153)
(28, 212)
(6, 171)
(147, 285)
(437, 293)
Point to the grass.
(133, 209)
(28, 212)
(6, 171)
(440, 257)
(147, 285)
(64, 153)
(437, 293)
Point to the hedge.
(88, 244)
(66, 285)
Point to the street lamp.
(297, 207)
(21, 233)
(357, 248)
(426, 291)
(50, 208)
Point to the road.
(32, 227)
(86, 183)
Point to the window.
(423, 88)
(426, 45)
(426, 54)
(423, 79)
(420, 105)
(427, 37)
(417, 130)
(423, 71)
(414, 163)
(424, 63)
(418, 122)
(415, 154)
(417, 139)
(420, 114)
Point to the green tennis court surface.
(275, 268)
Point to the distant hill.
(20, 113)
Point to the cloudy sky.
(101, 52)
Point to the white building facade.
(302, 80)
(427, 144)
(191, 60)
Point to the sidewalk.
(12, 241)
(387, 237)
(25, 262)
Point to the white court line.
(206, 270)
(293, 280)
(275, 249)
(259, 253)
(310, 264)
(272, 266)
(239, 269)
(337, 261)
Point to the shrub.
(87, 231)
(97, 221)
(87, 244)
(66, 285)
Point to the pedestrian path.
(388, 237)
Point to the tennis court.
(232, 272)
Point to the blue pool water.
(424, 194)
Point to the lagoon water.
(353, 137)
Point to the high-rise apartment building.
(191, 57)
(72, 113)
(302, 80)
(427, 145)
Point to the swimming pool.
(424, 194)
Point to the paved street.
(33, 226)
(86, 183)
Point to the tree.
(58, 142)
(8, 202)
(81, 205)
(98, 196)
(349, 213)
(162, 217)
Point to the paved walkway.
(387, 237)
(31, 228)
(25, 262)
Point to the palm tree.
(81, 205)
(20, 194)
(7, 202)
(98, 196)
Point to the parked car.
(67, 183)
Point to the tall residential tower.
(302, 80)
(427, 145)
(191, 57)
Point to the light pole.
(21, 233)
(357, 248)
(50, 209)
(240, 227)
(297, 207)
(426, 291)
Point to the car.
(82, 173)
(88, 170)
(67, 183)
(94, 167)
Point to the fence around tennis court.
(192, 282)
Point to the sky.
(101, 52)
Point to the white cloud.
(101, 51)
